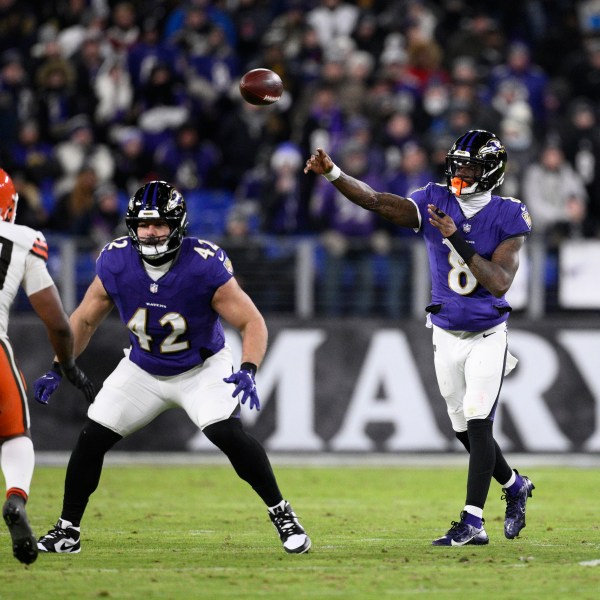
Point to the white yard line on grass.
(307, 459)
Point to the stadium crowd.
(98, 97)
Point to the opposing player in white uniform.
(473, 240)
(23, 256)
(170, 291)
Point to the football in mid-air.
(261, 86)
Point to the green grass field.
(184, 532)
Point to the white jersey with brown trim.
(23, 256)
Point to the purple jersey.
(172, 325)
(458, 302)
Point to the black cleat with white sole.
(63, 539)
(291, 533)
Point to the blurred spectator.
(123, 31)
(88, 62)
(283, 205)
(190, 37)
(479, 37)
(17, 101)
(252, 19)
(31, 210)
(438, 150)
(399, 130)
(468, 91)
(354, 90)
(580, 137)
(332, 19)
(359, 129)
(458, 118)
(18, 26)
(189, 161)
(424, 62)
(350, 237)
(106, 216)
(583, 71)
(134, 165)
(557, 201)
(306, 64)
(522, 149)
(212, 72)
(160, 105)
(247, 254)
(324, 123)
(246, 138)
(64, 14)
(73, 211)
(149, 50)
(81, 150)
(212, 13)
(414, 171)
(519, 71)
(588, 14)
(34, 158)
(555, 193)
(367, 35)
(287, 30)
(57, 98)
(115, 95)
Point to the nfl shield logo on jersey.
(466, 227)
(154, 288)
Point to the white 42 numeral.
(138, 325)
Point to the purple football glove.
(245, 385)
(46, 385)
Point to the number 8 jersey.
(458, 301)
(172, 325)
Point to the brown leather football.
(261, 86)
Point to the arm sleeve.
(36, 276)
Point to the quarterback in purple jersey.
(473, 239)
(171, 292)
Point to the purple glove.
(245, 384)
(46, 385)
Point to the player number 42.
(138, 325)
(206, 252)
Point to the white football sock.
(18, 460)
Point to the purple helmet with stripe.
(157, 200)
(482, 150)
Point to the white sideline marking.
(590, 563)
(331, 459)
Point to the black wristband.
(464, 249)
(248, 366)
(56, 367)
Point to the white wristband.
(333, 174)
